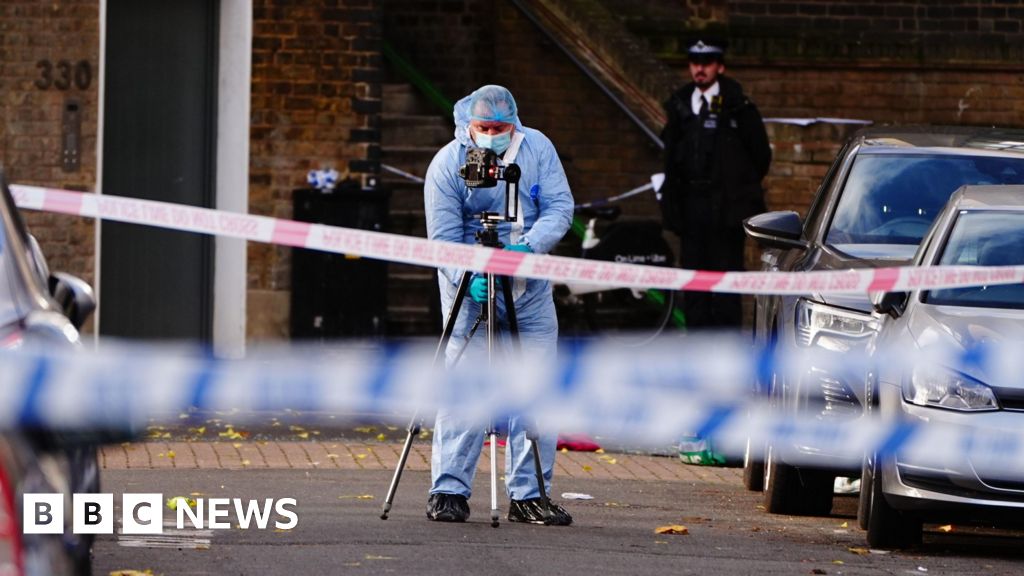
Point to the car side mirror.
(781, 229)
(74, 296)
(890, 303)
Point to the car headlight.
(833, 328)
(943, 388)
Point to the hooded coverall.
(452, 214)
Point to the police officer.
(716, 154)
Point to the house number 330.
(63, 75)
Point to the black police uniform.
(714, 164)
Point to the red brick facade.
(49, 54)
(315, 98)
(317, 71)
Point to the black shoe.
(533, 511)
(447, 508)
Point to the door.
(159, 130)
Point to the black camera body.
(482, 170)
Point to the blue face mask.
(498, 143)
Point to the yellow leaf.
(332, 456)
(236, 444)
(365, 497)
(564, 449)
(392, 428)
(175, 501)
(303, 435)
(360, 456)
(844, 525)
(170, 454)
(672, 529)
(859, 551)
(838, 562)
(587, 468)
(294, 428)
(245, 462)
(599, 451)
(946, 528)
(366, 429)
(381, 437)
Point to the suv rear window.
(893, 198)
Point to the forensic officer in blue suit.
(488, 118)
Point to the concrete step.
(411, 158)
(409, 130)
(404, 98)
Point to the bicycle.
(631, 315)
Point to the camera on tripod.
(483, 169)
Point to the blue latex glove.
(519, 248)
(478, 289)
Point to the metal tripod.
(488, 236)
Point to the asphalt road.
(341, 533)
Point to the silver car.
(873, 208)
(983, 226)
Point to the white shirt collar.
(708, 95)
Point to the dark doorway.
(159, 130)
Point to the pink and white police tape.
(433, 253)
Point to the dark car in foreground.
(981, 226)
(876, 203)
(40, 309)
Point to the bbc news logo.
(143, 513)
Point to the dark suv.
(876, 203)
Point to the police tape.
(432, 253)
(676, 387)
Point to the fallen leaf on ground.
(844, 525)
(174, 502)
(859, 551)
(672, 529)
(946, 528)
(838, 562)
(599, 451)
(303, 435)
(587, 468)
(333, 456)
(381, 437)
(360, 456)
(146, 572)
(295, 428)
(246, 462)
(171, 454)
(366, 429)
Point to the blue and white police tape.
(674, 387)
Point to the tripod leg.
(494, 477)
(510, 312)
(415, 424)
(414, 430)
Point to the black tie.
(703, 106)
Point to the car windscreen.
(983, 238)
(893, 198)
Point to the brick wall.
(315, 104)
(36, 35)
